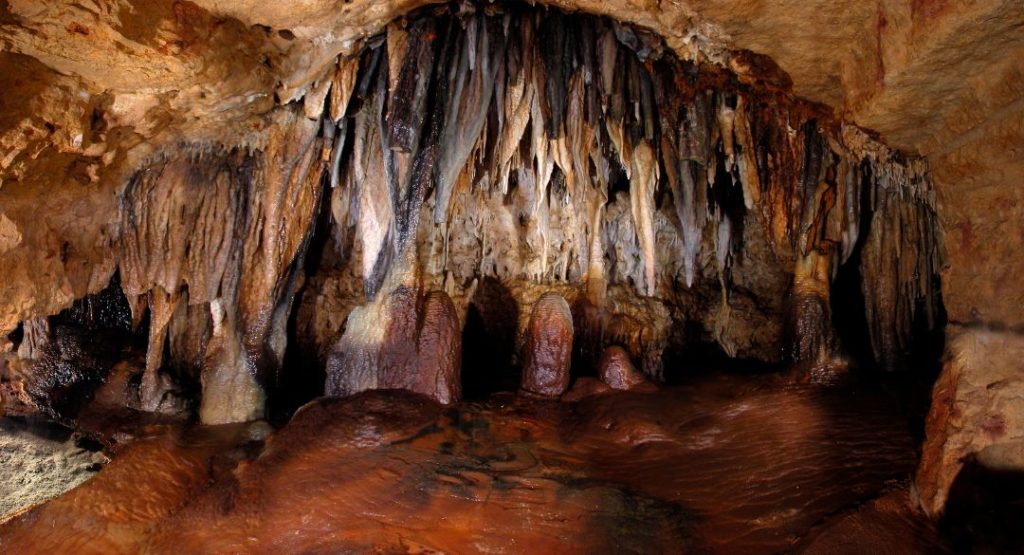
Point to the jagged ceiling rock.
(98, 86)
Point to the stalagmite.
(401, 340)
(162, 306)
(439, 350)
(230, 390)
(548, 347)
(815, 345)
(617, 370)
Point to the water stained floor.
(725, 464)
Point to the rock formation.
(617, 371)
(547, 351)
(245, 182)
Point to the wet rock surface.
(547, 352)
(724, 465)
(617, 371)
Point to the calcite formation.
(614, 165)
(548, 350)
(617, 371)
(406, 341)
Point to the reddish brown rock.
(400, 341)
(547, 352)
(585, 387)
(439, 350)
(617, 370)
(391, 472)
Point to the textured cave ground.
(671, 204)
(728, 464)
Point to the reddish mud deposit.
(725, 466)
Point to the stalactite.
(900, 260)
(539, 148)
(231, 228)
(641, 196)
(468, 99)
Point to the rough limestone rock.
(547, 351)
(976, 412)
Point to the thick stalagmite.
(548, 347)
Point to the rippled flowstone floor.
(725, 465)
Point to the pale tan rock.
(976, 411)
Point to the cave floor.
(725, 464)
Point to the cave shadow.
(489, 361)
(700, 356)
(985, 510)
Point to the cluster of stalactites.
(562, 111)
(901, 259)
(212, 247)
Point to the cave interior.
(505, 277)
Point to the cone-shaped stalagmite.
(617, 370)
